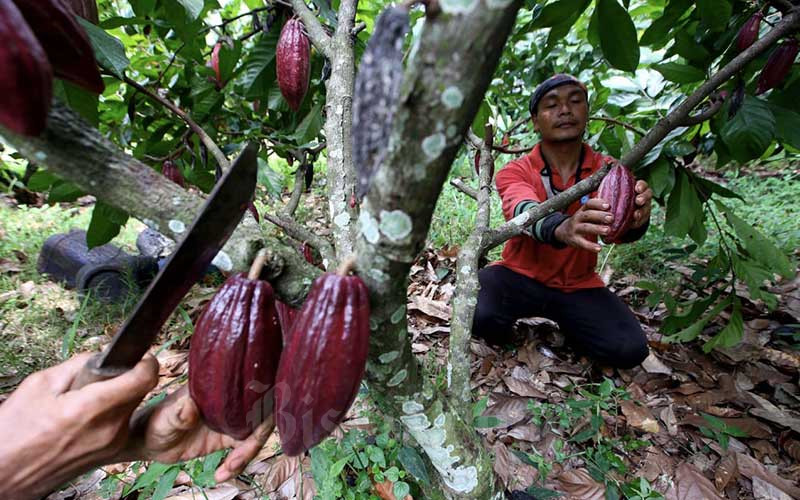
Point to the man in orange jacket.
(551, 273)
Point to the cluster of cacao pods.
(40, 39)
(618, 189)
(292, 63)
(242, 368)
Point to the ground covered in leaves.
(685, 425)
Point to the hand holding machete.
(69, 418)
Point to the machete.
(217, 219)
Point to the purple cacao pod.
(748, 33)
(26, 79)
(618, 189)
(778, 66)
(292, 63)
(173, 173)
(234, 356)
(323, 361)
(64, 40)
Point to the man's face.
(562, 114)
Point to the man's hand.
(592, 219)
(644, 201)
(50, 434)
(173, 431)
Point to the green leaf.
(787, 125)
(692, 332)
(64, 191)
(165, 483)
(556, 12)
(105, 224)
(259, 68)
(683, 207)
(680, 73)
(618, 37)
(193, 7)
(412, 462)
(80, 100)
(759, 246)
(754, 276)
(338, 466)
(486, 422)
(751, 131)
(108, 50)
(270, 178)
(481, 118)
(41, 180)
(480, 406)
(660, 177)
(400, 490)
(309, 128)
(657, 33)
(732, 333)
(151, 476)
(542, 493)
(715, 13)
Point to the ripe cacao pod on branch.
(377, 89)
(618, 189)
(26, 78)
(778, 66)
(213, 63)
(64, 40)
(323, 361)
(292, 63)
(173, 173)
(748, 33)
(234, 356)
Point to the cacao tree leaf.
(117, 21)
(787, 125)
(707, 187)
(105, 224)
(692, 332)
(165, 483)
(754, 276)
(82, 101)
(193, 7)
(143, 7)
(618, 38)
(228, 59)
(680, 73)
(412, 462)
(41, 180)
(108, 50)
(761, 248)
(715, 13)
(751, 131)
(730, 335)
(269, 178)
(64, 191)
(661, 177)
(683, 207)
(593, 32)
(657, 33)
(687, 47)
(556, 12)
(481, 118)
(309, 128)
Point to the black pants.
(595, 321)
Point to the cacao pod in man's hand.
(234, 356)
(618, 189)
(778, 66)
(292, 63)
(323, 361)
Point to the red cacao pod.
(478, 165)
(64, 40)
(748, 33)
(618, 189)
(87, 9)
(286, 316)
(213, 63)
(308, 254)
(26, 78)
(778, 66)
(173, 173)
(292, 63)
(234, 356)
(505, 141)
(323, 361)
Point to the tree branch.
(297, 191)
(467, 190)
(620, 123)
(786, 25)
(316, 32)
(699, 118)
(216, 152)
(300, 233)
(75, 151)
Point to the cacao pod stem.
(257, 265)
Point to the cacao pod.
(307, 253)
(234, 356)
(376, 93)
(506, 141)
(213, 63)
(173, 173)
(618, 189)
(778, 66)
(292, 63)
(323, 361)
(87, 9)
(26, 78)
(748, 33)
(64, 40)
(478, 165)
(286, 316)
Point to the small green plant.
(349, 468)
(719, 431)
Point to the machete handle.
(91, 372)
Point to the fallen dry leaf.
(763, 490)
(580, 485)
(690, 484)
(652, 364)
(280, 470)
(514, 474)
(751, 426)
(385, 490)
(510, 410)
(668, 417)
(639, 417)
(433, 308)
(727, 470)
(523, 388)
(750, 468)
